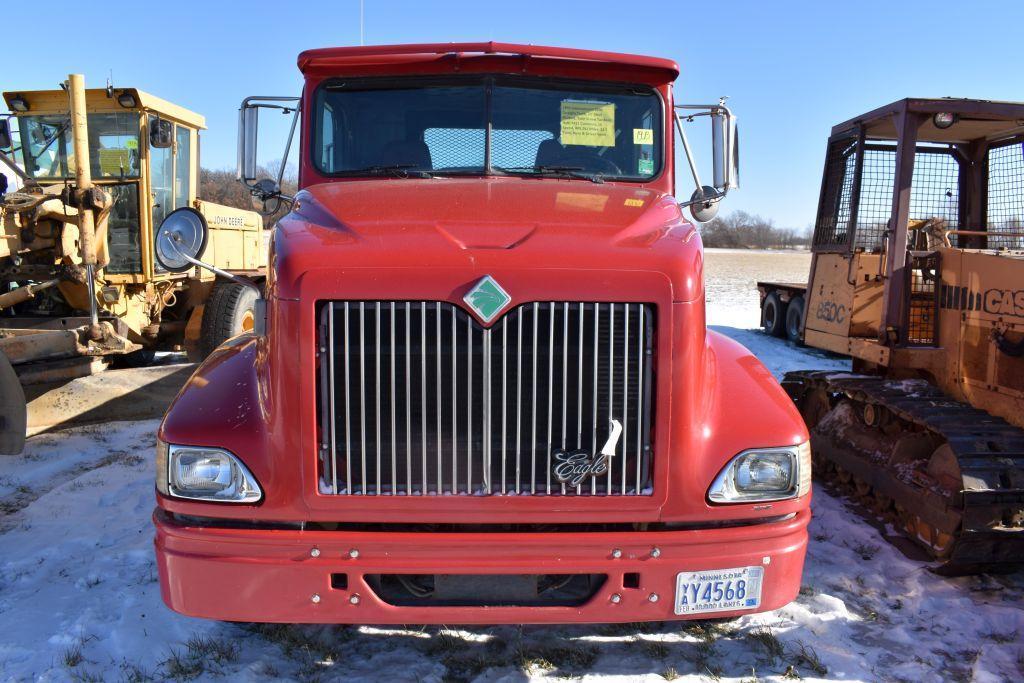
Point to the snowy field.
(79, 598)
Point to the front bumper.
(261, 575)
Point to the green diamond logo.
(487, 298)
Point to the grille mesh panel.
(418, 398)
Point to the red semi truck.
(480, 388)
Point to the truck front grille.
(417, 398)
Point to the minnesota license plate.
(718, 590)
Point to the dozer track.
(949, 475)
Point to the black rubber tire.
(135, 359)
(225, 314)
(13, 410)
(794, 319)
(773, 315)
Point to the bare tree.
(741, 230)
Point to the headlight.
(210, 474)
(764, 474)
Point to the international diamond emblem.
(487, 298)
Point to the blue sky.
(791, 69)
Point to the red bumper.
(271, 576)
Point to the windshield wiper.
(394, 170)
(554, 171)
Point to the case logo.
(487, 298)
(576, 466)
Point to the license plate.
(718, 590)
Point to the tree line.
(741, 230)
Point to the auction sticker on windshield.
(718, 590)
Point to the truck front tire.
(773, 315)
(228, 313)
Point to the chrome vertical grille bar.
(504, 400)
(641, 356)
(579, 393)
(533, 405)
(376, 383)
(486, 474)
(469, 404)
(394, 430)
(551, 385)
(408, 400)
(333, 413)
(625, 395)
(519, 402)
(600, 350)
(437, 403)
(611, 386)
(455, 404)
(565, 372)
(424, 485)
(348, 406)
(362, 390)
(597, 320)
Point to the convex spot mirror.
(161, 133)
(180, 239)
(266, 197)
(6, 141)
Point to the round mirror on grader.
(180, 239)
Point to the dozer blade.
(12, 410)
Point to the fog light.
(211, 474)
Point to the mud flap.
(13, 410)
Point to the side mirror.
(6, 140)
(180, 239)
(725, 150)
(704, 202)
(248, 133)
(248, 136)
(161, 133)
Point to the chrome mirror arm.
(244, 281)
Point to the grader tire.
(13, 410)
(228, 313)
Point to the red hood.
(483, 223)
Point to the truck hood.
(485, 223)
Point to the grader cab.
(918, 275)
(79, 286)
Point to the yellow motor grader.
(95, 172)
(918, 275)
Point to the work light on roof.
(944, 119)
(18, 103)
(127, 100)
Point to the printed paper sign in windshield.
(588, 123)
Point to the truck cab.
(481, 389)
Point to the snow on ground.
(79, 598)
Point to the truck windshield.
(47, 150)
(501, 125)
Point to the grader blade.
(12, 410)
